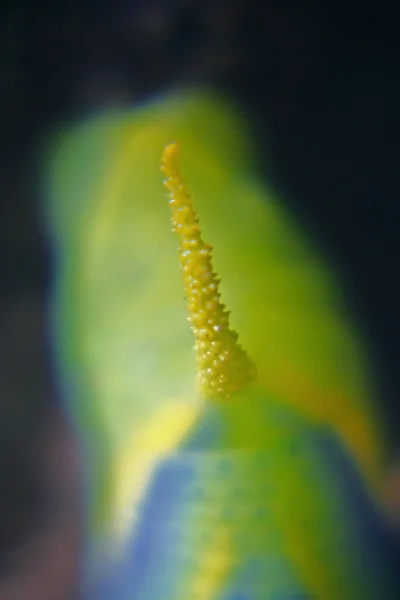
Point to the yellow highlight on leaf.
(224, 367)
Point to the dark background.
(320, 81)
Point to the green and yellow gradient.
(243, 470)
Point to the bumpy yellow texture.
(223, 366)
